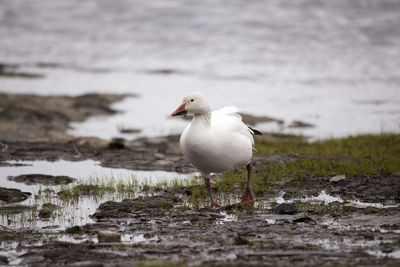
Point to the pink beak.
(179, 111)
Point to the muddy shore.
(159, 227)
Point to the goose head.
(193, 103)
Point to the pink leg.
(248, 196)
(208, 185)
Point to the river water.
(334, 64)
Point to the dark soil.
(42, 179)
(174, 234)
(32, 117)
(8, 195)
(162, 228)
(379, 189)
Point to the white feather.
(219, 143)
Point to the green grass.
(371, 155)
(366, 155)
(363, 146)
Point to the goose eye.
(191, 100)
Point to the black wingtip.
(255, 132)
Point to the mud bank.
(162, 230)
(299, 218)
(27, 117)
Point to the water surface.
(334, 64)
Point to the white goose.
(216, 141)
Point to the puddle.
(377, 253)
(227, 218)
(77, 240)
(136, 238)
(82, 170)
(77, 211)
(327, 199)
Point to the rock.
(92, 142)
(301, 217)
(240, 240)
(337, 178)
(285, 208)
(127, 208)
(10, 195)
(42, 179)
(117, 143)
(108, 237)
(162, 162)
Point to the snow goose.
(216, 141)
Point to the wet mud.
(41, 179)
(10, 195)
(160, 228)
(32, 117)
(291, 224)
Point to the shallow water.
(73, 212)
(330, 63)
(82, 170)
(325, 198)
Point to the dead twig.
(76, 150)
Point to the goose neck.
(204, 118)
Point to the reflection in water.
(72, 211)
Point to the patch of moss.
(367, 155)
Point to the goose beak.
(179, 111)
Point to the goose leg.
(248, 196)
(208, 185)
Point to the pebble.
(285, 208)
(337, 178)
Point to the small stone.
(117, 143)
(337, 178)
(159, 156)
(231, 256)
(162, 162)
(108, 237)
(301, 217)
(240, 240)
(285, 208)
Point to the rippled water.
(335, 64)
